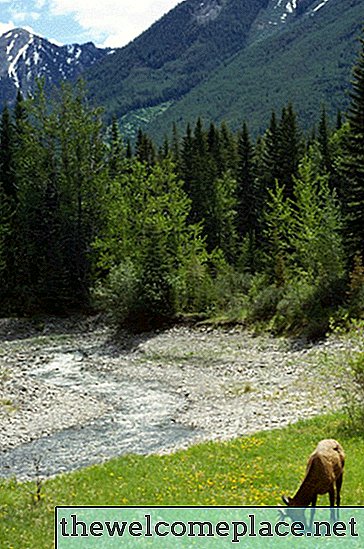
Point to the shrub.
(354, 394)
(117, 294)
(307, 308)
(263, 298)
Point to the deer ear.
(285, 500)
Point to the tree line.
(211, 223)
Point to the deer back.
(324, 466)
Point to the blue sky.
(110, 23)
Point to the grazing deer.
(324, 468)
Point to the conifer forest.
(212, 223)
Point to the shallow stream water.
(140, 421)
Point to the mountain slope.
(308, 63)
(24, 57)
(173, 55)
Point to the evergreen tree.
(116, 149)
(354, 160)
(323, 142)
(8, 204)
(164, 150)
(227, 150)
(225, 216)
(176, 150)
(144, 148)
(20, 112)
(305, 233)
(129, 150)
(202, 188)
(7, 177)
(289, 149)
(339, 120)
(215, 149)
(245, 190)
(197, 175)
(60, 171)
(269, 159)
(186, 165)
(146, 243)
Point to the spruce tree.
(144, 148)
(116, 149)
(175, 148)
(245, 189)
(289, 149)
(323, 142)
(7, 177)
(228, 150)
(61, 167)
(269, 161)
(354, 159)
(186, 164)
(8, 204)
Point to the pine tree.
(60, 174)
(164, 150)
(269, 159)
(248, 199)
(339, 120)
(175, 150)
(215, 149)
(7, 177)
(228, 150)
(116, 154)
(144, 148)
(323, 142)
(8, 205)
(289, 149)
(186, 163)
(20, 112)
(354, 159)
(224, 216)
(129, 150)
(245, 190)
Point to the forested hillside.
(231, 61)
(172, 56)
(309, 64)
(213, 223)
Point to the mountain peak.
(17, 31)
(26, 57)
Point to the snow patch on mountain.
(321, 5)
(25, 57)
(208, 11)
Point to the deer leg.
(332, 502)
(339, 482)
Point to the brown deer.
(324, 469)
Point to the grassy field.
(252, 470)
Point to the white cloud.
(113, 22)
(5, 27)
(25, 16)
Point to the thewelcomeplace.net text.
(234, 530)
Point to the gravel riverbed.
(74, 391)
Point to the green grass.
(252, 470)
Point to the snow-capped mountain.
(25, 57)
(278, 13)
